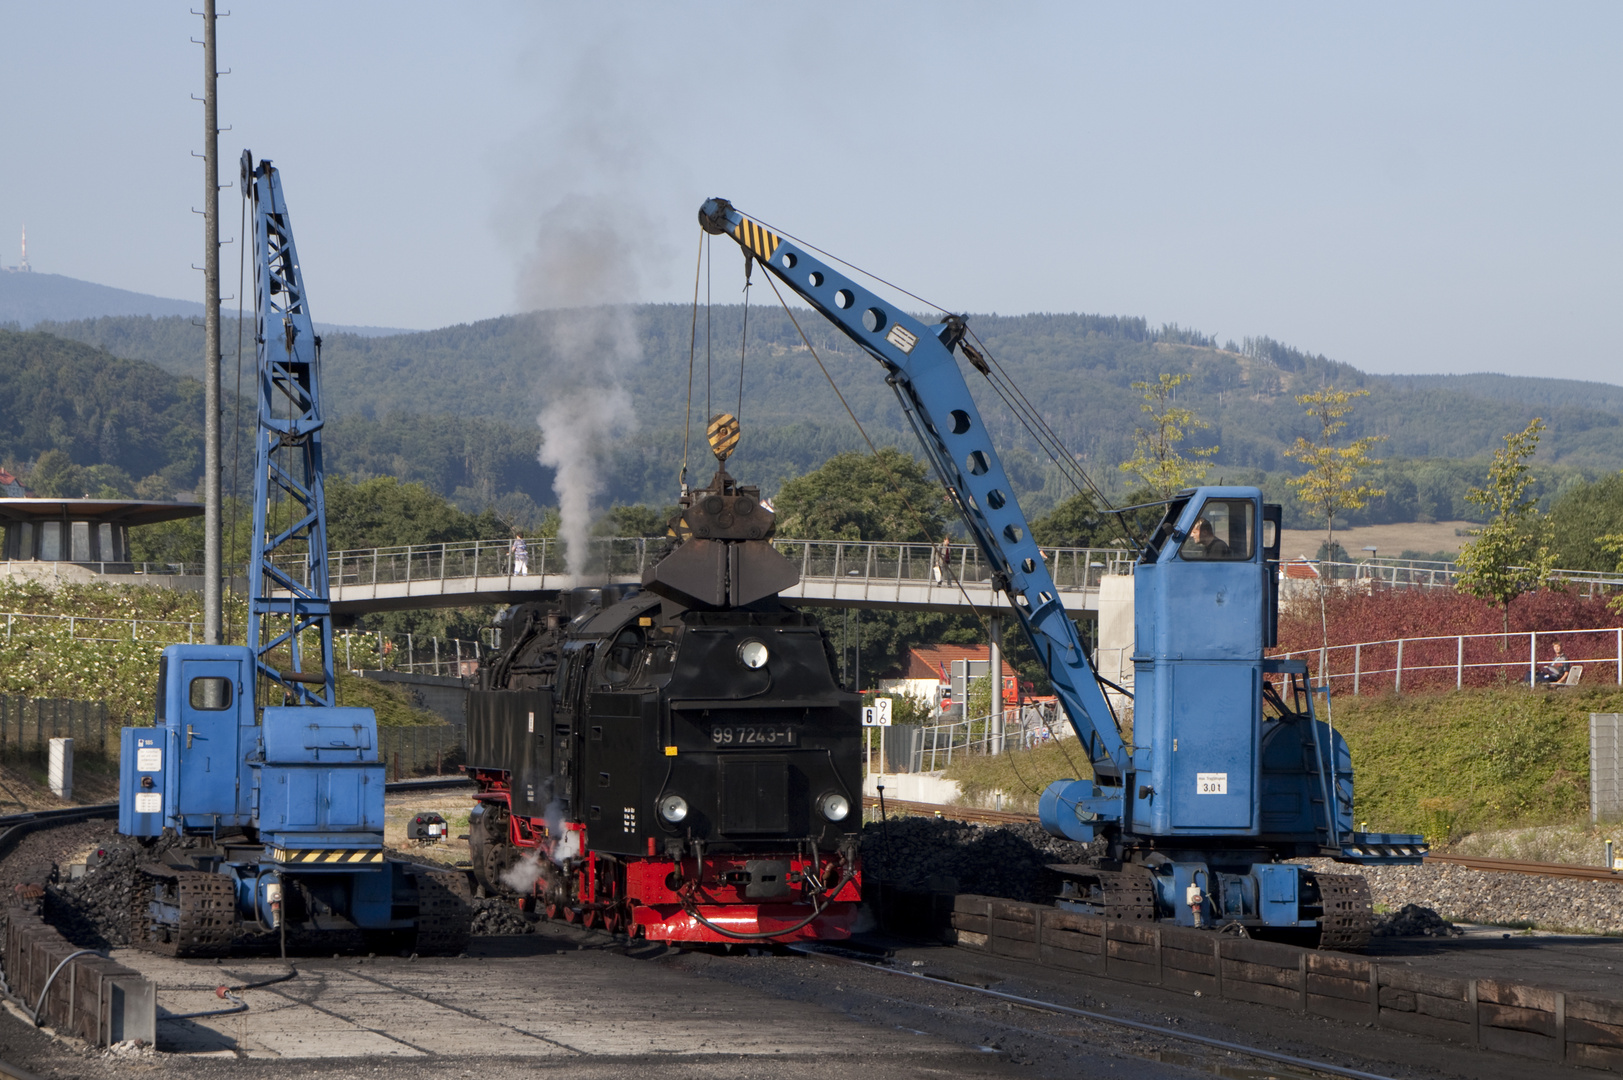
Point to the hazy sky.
(1408, 188)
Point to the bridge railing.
(620, 558)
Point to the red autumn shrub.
(1378, 618)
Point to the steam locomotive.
(676, 761)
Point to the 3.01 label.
(1212, 783)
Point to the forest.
(454, 409)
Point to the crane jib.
(928, 380)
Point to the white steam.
(583, 270)
(561, 845)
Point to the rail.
(1434, 662)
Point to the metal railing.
(1431, 574)
(627, 558)
(103, 628)
(1461, 660)
(1022, 728)
(157, 569)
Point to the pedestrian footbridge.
(832, 574)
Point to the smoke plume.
(583, 270)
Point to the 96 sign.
(877, 714)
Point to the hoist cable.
(1031, 418)
(693, 344)
(743, 342)
(852, 266)
(918, 517)
(709, 310)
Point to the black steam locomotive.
(677, 761)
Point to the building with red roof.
(927, 672)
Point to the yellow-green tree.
(1614, 543)
(1330, 484)
(1509, 556)
(1157, 460)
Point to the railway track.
(1260, 1054)
(972, 814)
(978, 816)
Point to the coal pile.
(497, 917)
(93, 911)
(1006, 861)
(1414, 921)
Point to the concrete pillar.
(61, 768)
(995, 633)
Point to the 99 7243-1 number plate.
(752, 735)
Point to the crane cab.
(1205, 610)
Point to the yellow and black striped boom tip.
(327, 856)
(756, 239)
(723, 435)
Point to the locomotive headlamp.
(834, 806)
(753, 654)
(673, 808)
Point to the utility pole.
(212, 516)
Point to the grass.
(1021, 775)
(387, 700)
(1508, 767)
(1465, 761)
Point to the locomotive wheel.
(553, 911)
(571, 915)
(490, 849)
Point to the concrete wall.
(442, 695)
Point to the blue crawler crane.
(1226, 770)
(262, 800)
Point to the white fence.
(1461, 660)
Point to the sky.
(1406, 188)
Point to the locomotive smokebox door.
(428, 826)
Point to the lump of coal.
(1412, 920)
(495, 916)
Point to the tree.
(638, 520)
(1508, 556)
(1076, 522)
(1156, 460)
(1582, 519)
(1329, 486)
(885, 496)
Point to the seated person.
(1203, 543)
(1556, 669)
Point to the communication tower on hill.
(23, 266)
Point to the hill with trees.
(455, 408)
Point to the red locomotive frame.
(683, 901)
